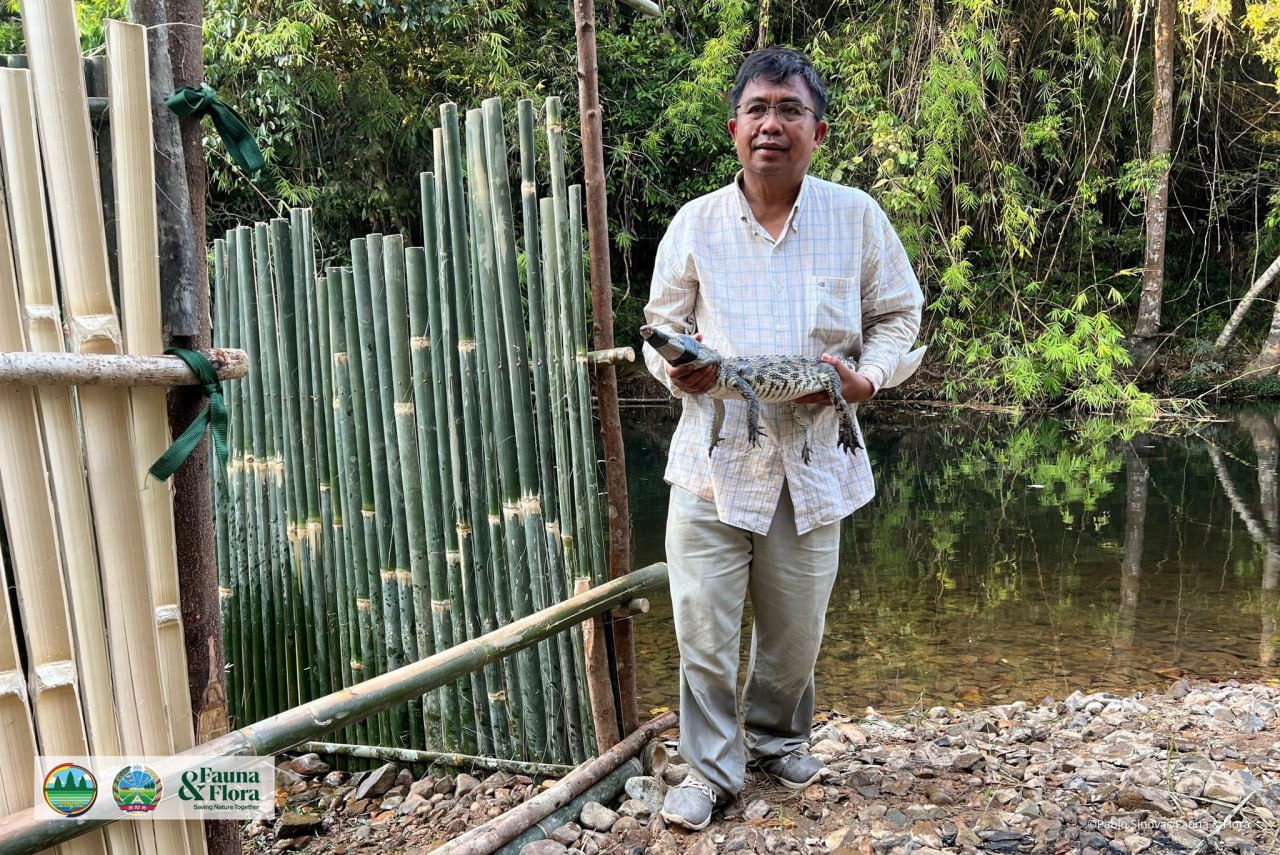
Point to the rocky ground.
(1195, 769)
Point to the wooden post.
(584, 13)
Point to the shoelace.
(699, 784)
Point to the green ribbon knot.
(213, 417)
(235, 133)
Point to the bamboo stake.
(485, 838)
(351, 480)
(379, 512)
(33, 254)
(492, 719)
(435, 758)
(506, 523)
(53, 48)
(398, 586)
(24, 833)
(228, 602)
(136, 236)
(599, 684)
(447, 404)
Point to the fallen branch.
(1245, 302)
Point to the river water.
(1008, 559)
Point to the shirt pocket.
(835, 320)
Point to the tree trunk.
(1246, 301)
(615, 461)
(1148, 324)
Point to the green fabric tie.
(213, 416)
(189, 101)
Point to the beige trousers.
(713, 568)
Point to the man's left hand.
(853, 385)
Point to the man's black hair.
(776, 64)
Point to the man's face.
(769, 145)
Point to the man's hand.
(691, 380)
(853, 385)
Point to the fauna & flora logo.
(70, 789)
(137, 789)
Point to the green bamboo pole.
(506, 523)
(332, 501)
(431, 604)
(241, 677)
(367, 565)
(401, 588)
(415, 593)
(354, 480)
(587, 431)
(284, 654)
(299, 579)
(227, 601)
(568, 512)
(447, 395)
(530, 592)
(366, 263)
(493, 719)
(263, 688)
(555, 570)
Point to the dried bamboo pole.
(436, 758)
(379, 514)
(506, 524)
(351, 480)
(139, 253)
(284, 651)
(299, 576)
(63, 120)
(17, 733)
(410, 474)
(400, 590)
(491, 718)
(33, 253)
(555, 570)
(50, 368)
(37, 562)
(450, 610)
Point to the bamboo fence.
(414, 461)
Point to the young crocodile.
(756, 379)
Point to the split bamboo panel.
(106, 419)
(137, 237)
(17, 734)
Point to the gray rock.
(758, 809)
(1224, 786)
(465, 784)
(293, 824)
(566, 834)
(377, 782)
(543, 847)
(309, 766)
(597, 817)
(646, 789)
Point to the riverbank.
(1195, 768)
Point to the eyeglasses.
(786, 111)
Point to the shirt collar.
(744, 207)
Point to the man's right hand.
(691, 380)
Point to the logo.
(137, 789)
(70, 789)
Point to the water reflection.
(1005, 560)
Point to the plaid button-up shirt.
(836, 281)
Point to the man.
(778, 262)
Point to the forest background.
(1015, 144)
